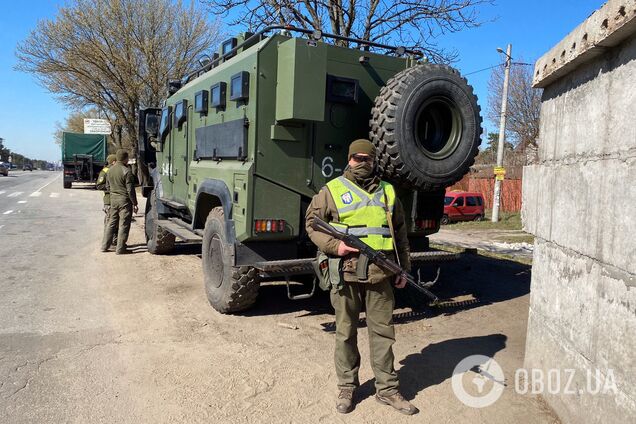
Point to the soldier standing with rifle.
(359, 203)
(123, 202)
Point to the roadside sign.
(499, 172)
(97, 126)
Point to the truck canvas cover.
(83, 144)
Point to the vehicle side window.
(480, 201)
(447, 200)
(459, 201)
(471, 201)
(164, 127)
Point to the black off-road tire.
(426, 126)
(158, 240)
(228, 288)
(445, 220)
(67, 184)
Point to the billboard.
(97, 126)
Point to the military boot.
(344, 403)
(398, 402)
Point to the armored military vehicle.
(241, 145)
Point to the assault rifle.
(374, 256)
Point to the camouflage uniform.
(102, 184)
(121, 185)
(375, 293)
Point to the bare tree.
(524, 102)
(74, 122)
(116, 55)
(412, 23)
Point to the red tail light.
(426, 224)
(269, 226)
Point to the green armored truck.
(242, 144)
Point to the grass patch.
(454, 249)
(521, 238)
(507, 221)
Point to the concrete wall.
(580, 203)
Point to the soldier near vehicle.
(360, 203)
(102, 184)
(123, 202)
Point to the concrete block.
(588, 113)
(546, 352)
(585, 207)
(606, 27)
(582, 318)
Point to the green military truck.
(241, 145)
(83, 156)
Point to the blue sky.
(28, 112)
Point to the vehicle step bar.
(183, 233)
(173, 204)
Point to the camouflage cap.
(361, 145)
(111, 158)
(122, 155)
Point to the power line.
(485, 69)
(497, 65)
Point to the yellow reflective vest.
(363, 214)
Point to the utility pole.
(502, 134)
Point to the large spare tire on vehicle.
(426, 126)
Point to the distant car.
(27, 167)
(463, 206)
(4, 168)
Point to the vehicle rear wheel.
(478, 217)
(67, 184)
(426, 126)
(158, 240)
(228, 288)
(445, 220)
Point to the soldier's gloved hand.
(135, 208)
(400, 281)
(344, 250)
(106, 208)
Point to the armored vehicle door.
(181, 141)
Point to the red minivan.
(462, 206)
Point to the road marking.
(7, 212)
(35, 194)
(2, 191)
(55, 195)
(22, 201)
(15, 194)
(1, 226)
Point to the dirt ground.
(133, 339)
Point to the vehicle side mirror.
(152, 125)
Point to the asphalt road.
(92, 337)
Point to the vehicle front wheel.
(478, 217)
(67, 184)
(158, 240)
(228, 288)
(445, 220)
